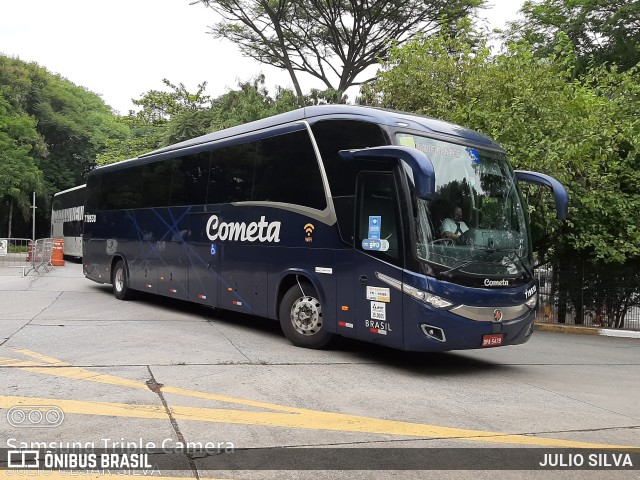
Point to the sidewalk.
(607, 332)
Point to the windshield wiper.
(462, 265)
(475, 262)
(522, 262)
(515, 252)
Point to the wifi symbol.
(309, 229)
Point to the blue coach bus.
(329, 219)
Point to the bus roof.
(345, 112)
(70, 190)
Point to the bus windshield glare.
(476, 224)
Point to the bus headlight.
(425, 297)
(532, 302)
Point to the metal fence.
(589, 295)
(23, 254)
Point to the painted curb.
(606, 332)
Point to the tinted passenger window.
(335, 135)
(287, 171)
(122, 189)
(190, 177)
(72, 229)
(156, 184)
(94, 183)
(231, 174)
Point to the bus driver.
(453, 228)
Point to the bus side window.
(72, 228)
(190, 178)
(287, 171)
(231, 173)
(94, 185)
(332, 136)
(121, 189)
(378, 201)
(156, 184)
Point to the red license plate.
(494, 340)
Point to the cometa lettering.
(496, 283)
(261, 231)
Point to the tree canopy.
(20, 146)
(171, 117)
(601, 30)
(51, 132)
(334, 41)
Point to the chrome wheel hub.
(119, 279)
(306, 315)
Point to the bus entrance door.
(378, 304)
(378, 260)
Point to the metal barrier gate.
(25, 254)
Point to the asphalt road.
(164, 373)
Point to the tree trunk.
(296, 86)
(284, 52)
(579, 297)
(10, 217)
(562, 291)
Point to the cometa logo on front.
(261, 231)
(496, 283)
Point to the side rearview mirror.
(424, 174)
(559, 192)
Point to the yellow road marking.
(78, 373)
(310, 420)
(291, 418)
(39, 356)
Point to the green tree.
(140, 137)
(75, 125)
(585, 133)
(188, 124)
(158, 107)
(165, 117)
(334, 41)
(602, 30)
(250, 101)
(20, 145)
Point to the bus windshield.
(476, 224)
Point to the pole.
(33, 218)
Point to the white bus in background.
(67, 216)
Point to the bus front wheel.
(301, 317)
(120, 282)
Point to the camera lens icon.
(40, 416)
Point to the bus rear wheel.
(120, 282)
(301, 317)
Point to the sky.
(119, 49)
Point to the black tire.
(301, 318)
(120, 282)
